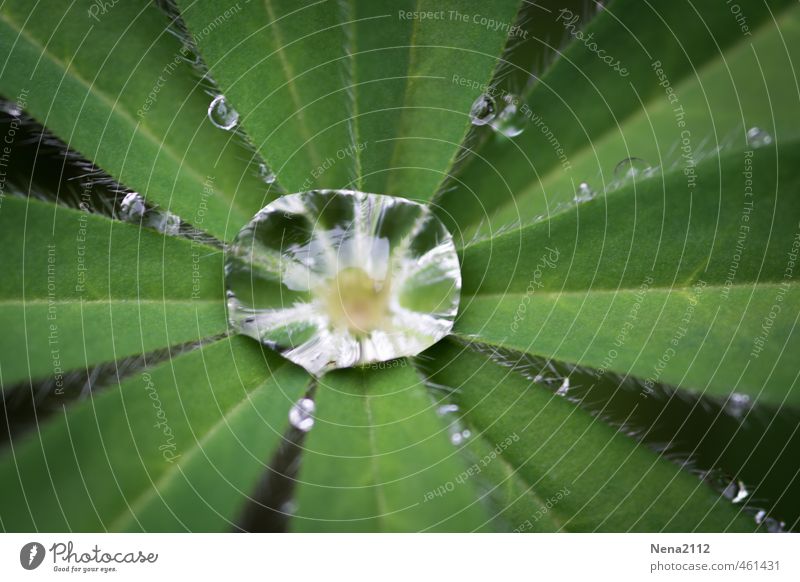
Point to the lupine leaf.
(595, 478)
(689, 90)
(81, 289)
(114, 85)
(379, 459)
(338, 94)
(698, 291)
(134, 455)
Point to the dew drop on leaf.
(736, 491)
(758, 138)
(632, 168)
(483, 110)
(339, 278)
(510, 120)
(446, 409)
(267, 175)
(222, 114)
(301, 415)
(10, 108)
(132, 207)
(584, 193)
(738, 405)
(165, 222)
(460, 436)
(771, 524)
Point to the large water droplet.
(483, 110)
(633, 168)
(222, 114)
(758, 138)
(510, 121)
(338, 278)
(301, 415)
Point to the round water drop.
(339, 278)
(632, 168)
(584, 193)
(301, 415)
(222, 114)
(267, 175)
(132, 208)
(738, 405)
(771, 524)
(510, 121)
(460, 436)
(165, 222)
(758, 138)
(483, 110)
(11, 108)
(736, 491)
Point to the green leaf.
(178, 446)
(613, 282)
(595, 478)
(690, 89)
(351, 93)
(512, 500)
(116, 88)
(81, 289)
(379, 459)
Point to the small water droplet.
(758, 138)
(165, 222)
(301, 415)
(267, 175)
(633, 168)
(459, 437)
(736, 491)
(447, 409)
(738, 405)
(288, 507)
(771, 524)
(483, 110)
(510, 121)
(564, 388)
(584, 193)
(132, 208)
(11, 108)
(222, 114)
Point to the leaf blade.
(135, 109)
(374, 457)
(610, 480)
(194, 393)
